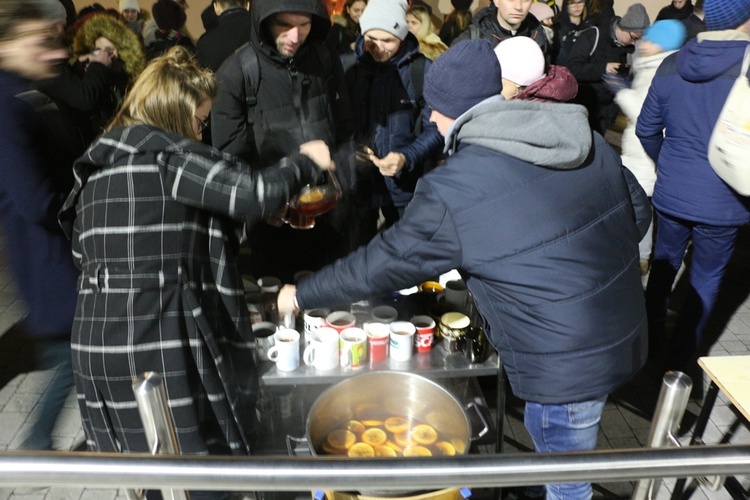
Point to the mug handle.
(309, 355)
(273, 353)
(346, 358)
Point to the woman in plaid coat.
(155, 219)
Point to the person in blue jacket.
(36, 176)
(391, 118)
(543, 222)
(692, 203)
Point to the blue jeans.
(565, 427)
(54, 355)
(712, 248)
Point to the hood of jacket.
(558, 85)
(552, 135)
(710, 55)
(650, 63)
(261, 10)
(128, 44)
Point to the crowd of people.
(139, 164)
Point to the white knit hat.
(386, 15)
(521, 60)
(129, 5)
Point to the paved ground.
(625, 423)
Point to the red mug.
(378, 338)
(340, 320)
(425, 326)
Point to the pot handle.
(486, 424)
(295, 444)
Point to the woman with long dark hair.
(457, 21)
(345, 28)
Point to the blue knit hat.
(668, 34)
(465, 75)
(726, 14)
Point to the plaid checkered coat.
(155, 221)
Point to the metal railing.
(174, 473)
(670, 408)
(153, 408)
(112, 470)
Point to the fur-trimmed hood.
(114, 30)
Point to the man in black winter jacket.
(505, 19)
(284, 88)
(233, 31)
(601, 51)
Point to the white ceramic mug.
(402, 340)
(353, 347)
(323, 351)
(263, 332)
(285, 351)
(314, 319)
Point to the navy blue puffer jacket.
(544, 226)
(675, 125)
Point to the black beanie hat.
(461, 4)
(168, 15)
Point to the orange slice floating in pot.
(390, 444)
(423, 434)
(417, 451)
(330, 450)
(403, 439)
(356, 427)
(459, 445)
(385, 451)
(361, 450)
(445, 448)
(396, 425)
(374, 436)
(341, 439)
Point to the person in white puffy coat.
(660, 40)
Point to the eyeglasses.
(202, 124)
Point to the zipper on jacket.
(294, 78)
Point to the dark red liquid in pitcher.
(317, 201)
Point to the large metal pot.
(392, 393)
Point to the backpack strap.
(416, 77)
(326, 59)
(416, 80)
(474, 31)
(250, 66)
(596, 40)
(576, 34)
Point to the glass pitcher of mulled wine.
(313, 200)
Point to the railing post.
(157, 423)
(670, 408)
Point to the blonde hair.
(167, 94)
(423, 15)
(430, 44)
